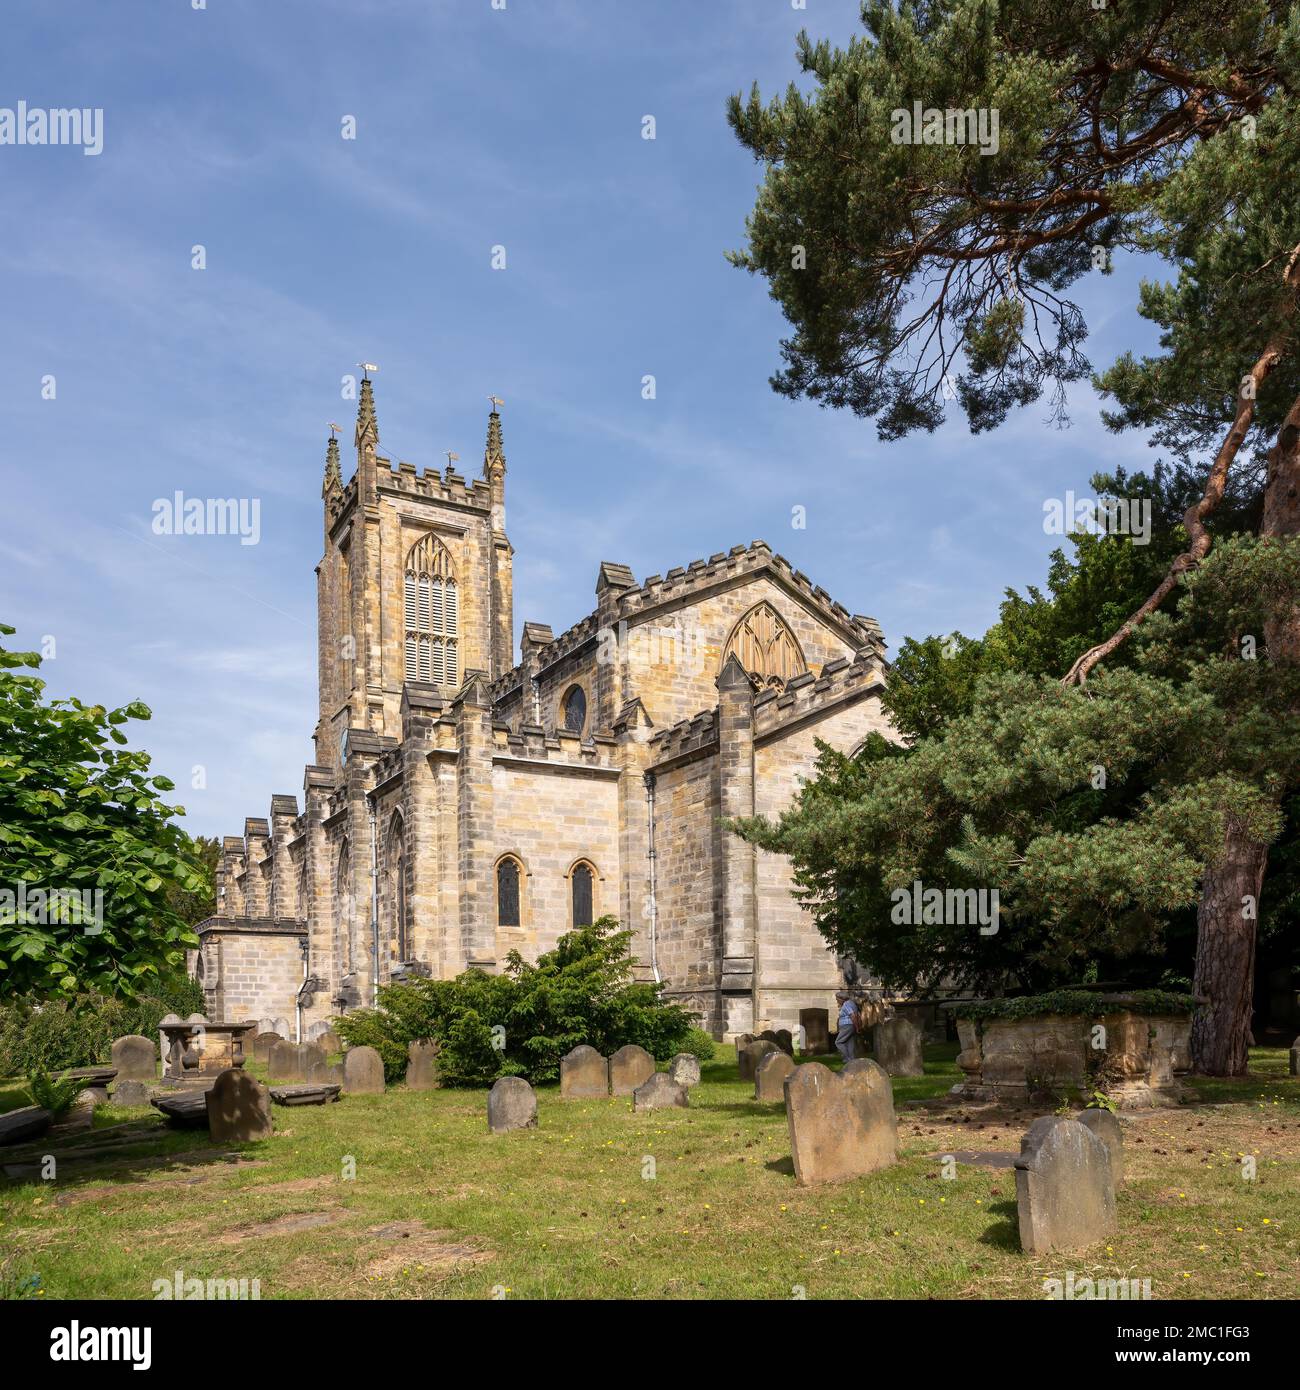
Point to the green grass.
(598, 1202)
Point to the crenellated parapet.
(811, 695)
(560, 747)
(686, 739)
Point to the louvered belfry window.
(431, 614)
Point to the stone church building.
(463, 804)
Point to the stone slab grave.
(816, 1031)
(184, 1109)
(239, 1109)
(363, 1072)
(1065, 1195)
(136, 1058)
(749, 1057)
(629, 1067)
(584, 1074)
(660, 1092)
(511, 1105)
(897, 1045)
(684, 1069)
(841, 1126)
(769, 1078)
(310, 1093)
(28, 1122)
(288, 1061)
(422, 1066)
(262, 1045)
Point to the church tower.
(415, 584)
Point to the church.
(464, 804)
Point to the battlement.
(688, 736)
(449, 486)
(563, 746)
(810, 694)
(557, 649)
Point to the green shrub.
(522, 1022)
(55, 1093)
(699, 1044)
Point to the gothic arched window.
(764, 645)
(431, 608)
(581, 882)
(575, 709)
(508, 914)
(345, 904)
(397, 888)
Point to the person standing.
(846, 1027)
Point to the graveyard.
(674, 1188)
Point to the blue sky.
(476, 127)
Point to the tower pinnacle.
(494, 457)
(367, 421)
(333, 478)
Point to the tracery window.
(431, 609)
(575, 709)
(764, 645)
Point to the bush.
(49, 1035)
(522, 1022)
(700, 1045)
(55, 1094)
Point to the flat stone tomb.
(203, 1049)
(319, 1093)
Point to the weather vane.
(334, 429)
(497, 403)
(368, 367)
(451, 457)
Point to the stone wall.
(250, 970)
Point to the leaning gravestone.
(239, 1108)
(262, 1045)
(1107, 1128)
(136, 1058)
(584, 1074)
(511, 1105)
(816, 1031)
(769, 1079)
(749, 1056)
(363, 1072)
(684, 1069)
(897, 1045)
(629, 1067)
(1065, 1197)
(288, 1061)
(841, 1126)
(422, 1066)
(661, 1092)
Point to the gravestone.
(769, 1079)
(1107, 1128)
(288, 1061)
(511, 1105)
(1295, 1058)
(136, 1058)
(324, 1036)
(422, 1066)
(363, 1072)
(310, 1093)
(239, 1109)
(1065, 1198)
(897, 1045)
(751, 1055)
(660, 1092)
(816, 1031)
(743, 1040)
(262, 1045)
(629, 1067)
(584, 1074)
(197, 1020)
(128, 1093)
(27, 1122)
(684, 1069)
(785, 1041)
(841, 1126)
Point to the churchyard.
(408, 1194)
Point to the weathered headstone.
(511, 1105)
(684, 1069)
(239, 1108)
(629, 1067)
(262, 1045)
(841, 1125)
(584, 1074)
(751, 1055)
(816, 1031)
(772, 1036)
(324, 1036)
(1107, 1128)
(128, 1093)
(785, 1041)
(363, 1072)
(769, 1079)
(197, 1020)
(660, 1092)
(136, 1058)
(1065, 1197)
(897, 1045)
(422, 1066)
(288, 1061)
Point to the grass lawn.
(598, 1202)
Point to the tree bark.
(1226, 919)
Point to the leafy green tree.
(81, 815)
(914, 269)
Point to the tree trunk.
(1225, 954)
